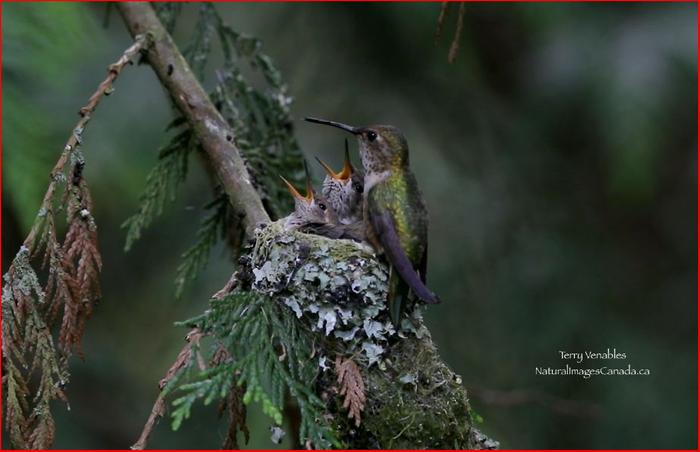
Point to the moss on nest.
(337, 288)
(418, 402)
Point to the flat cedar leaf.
(352, 386)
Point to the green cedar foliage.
(213, 228)
(267, 352)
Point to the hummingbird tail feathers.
(384, 226)
(397, 297)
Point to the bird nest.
(338, 288)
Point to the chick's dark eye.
(358, 188)
(371, 136)
(321, 206)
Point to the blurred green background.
(557, 156)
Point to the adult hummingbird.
(395, 215)
(343, 190)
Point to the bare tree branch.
(213, 132)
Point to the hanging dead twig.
(444, 8)
(454, 47)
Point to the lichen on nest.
(337, 287)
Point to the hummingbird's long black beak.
(340, 125)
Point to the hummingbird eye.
(371, 135)
(322, 206)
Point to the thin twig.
(228, 288)
(444, 9)
(141, 42)
(454, 47)
(156, 413)
(192, 338)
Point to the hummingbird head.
(309, 208)
(381, 147)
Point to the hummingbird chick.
(313, 214)
(395, 216)
(308, 209)
(343, 190)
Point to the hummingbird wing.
(397, 297)
(384, 228)
(354, 231)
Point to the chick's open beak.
(309, 193)
(346, 173)
(341, 176)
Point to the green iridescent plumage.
(398, 195)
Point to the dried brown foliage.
(352, 386)
(35, 370)
(83, 261)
